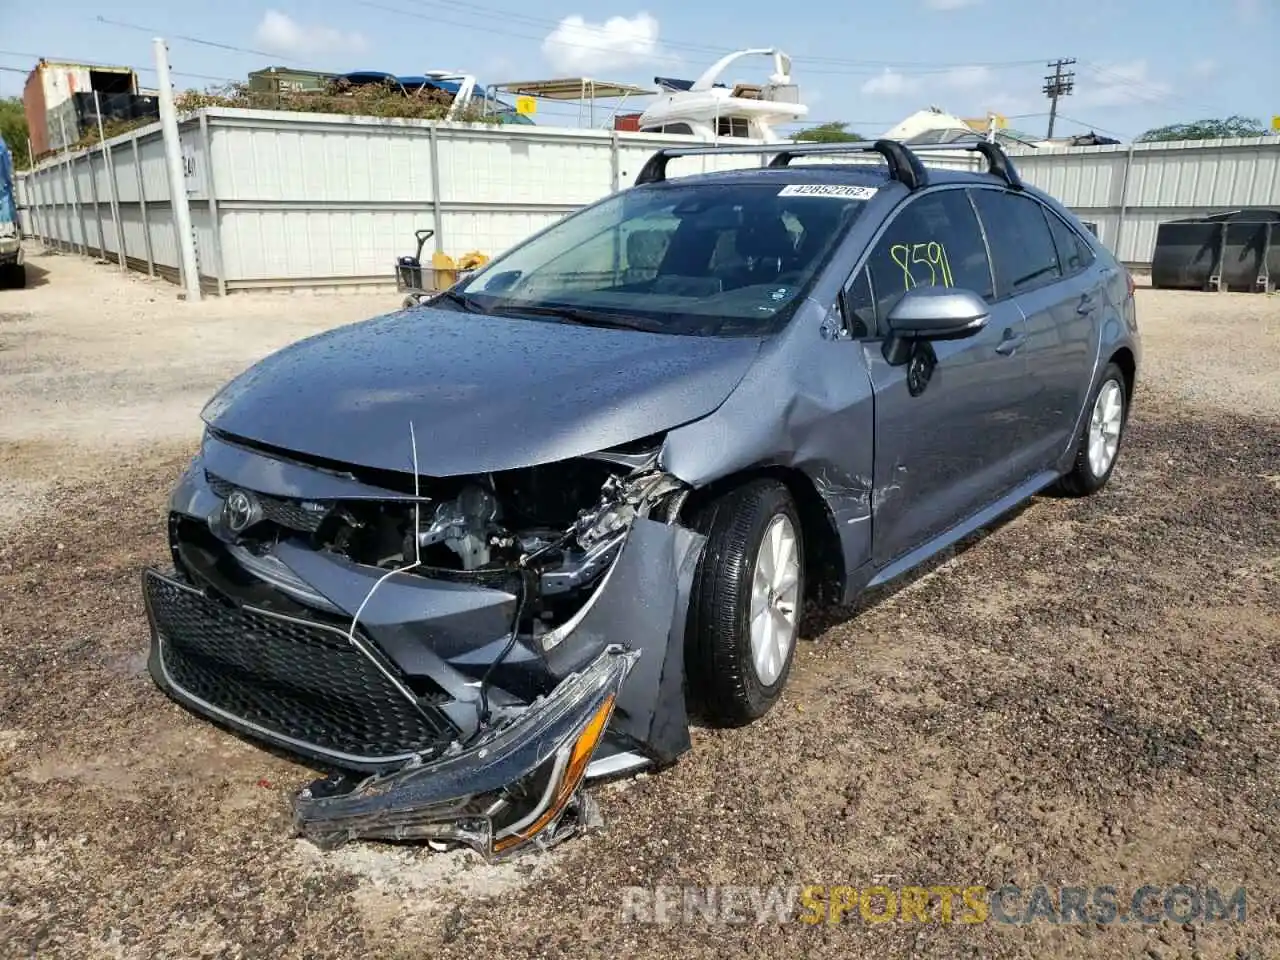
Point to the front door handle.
(1009, 343)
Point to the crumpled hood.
(484, 393)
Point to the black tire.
(722, 675)
(13, 276)
(1082, 480)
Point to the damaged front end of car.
(460, 653)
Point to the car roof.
(860, 174)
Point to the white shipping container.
(59, 81)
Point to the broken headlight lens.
(513, 787)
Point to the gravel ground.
(1087, 694)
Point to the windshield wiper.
(587, 318)
(461, 299)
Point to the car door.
(1054, 297)
(943, 451)
(1080, 317)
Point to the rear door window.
(934, 241)
(1022, 248)
(1073, 253)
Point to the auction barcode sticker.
(842, 191)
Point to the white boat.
(709, 110)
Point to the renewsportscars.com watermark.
(878, 903)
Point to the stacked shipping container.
(52, 84)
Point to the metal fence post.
(113, 196)
(47, 220)
(33, 197)
(437, 202)
(72, 188)
(37, 219)
(97, 205)
(73, 167)
(51, 204)
(219, 270)
(142, 206)
(1124, 202)
(614, 162)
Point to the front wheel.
(746, 603)
(1098, 445)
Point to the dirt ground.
(1088, 694)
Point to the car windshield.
(708, 259)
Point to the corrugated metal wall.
(297, 200)
(70, 202)
(1165, 181)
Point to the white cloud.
(891, 83)
(1204, 69)
(1118, 85)
(950, 4)
(1010, 105)
(967, 78)
(280, 33)
(577, 46)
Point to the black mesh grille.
(296, 679)
(287, 513)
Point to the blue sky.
(1140, 63)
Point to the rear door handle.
(1086, 304)
(1009, 343)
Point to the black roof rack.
(904, 165)
(998, 161)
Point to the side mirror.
(932, 313)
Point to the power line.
(1055, 86)
(177, 36)
(1143, 90)
(855, 67)
(36, 57)
(851, 67)
(586, 28)
(1092, 126)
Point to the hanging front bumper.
(516, 785)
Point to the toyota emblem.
(241, 511)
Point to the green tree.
(1206, 130)
(13, 127)
(833, 132)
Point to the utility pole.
(179, 202)
(1056, 85)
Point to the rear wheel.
(747, 601)
(1098, 445)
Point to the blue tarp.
(409, 83)
(8, 207)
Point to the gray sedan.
(470, 555)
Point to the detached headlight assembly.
(512, 788)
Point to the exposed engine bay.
(546, 533)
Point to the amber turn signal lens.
(574, 771)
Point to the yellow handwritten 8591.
(933, 255)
